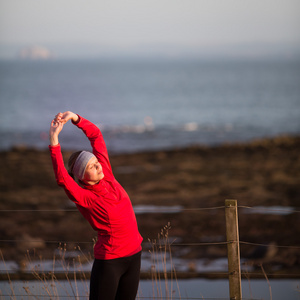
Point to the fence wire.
(146, 243)
(171, 209)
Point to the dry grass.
(48, 285)
(75, 282)
(161, 253)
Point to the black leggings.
(115, 279)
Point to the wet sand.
(259, 173)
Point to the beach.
(36, 214)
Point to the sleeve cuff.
(54, 146)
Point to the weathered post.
(233, 250)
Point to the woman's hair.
(71, 162)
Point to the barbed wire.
(260, 208)
(170, 209)
(268, 245)
(154, 210)
(149, 243)
(203, 208)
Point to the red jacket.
(105, 205)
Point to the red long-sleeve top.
(106, 205)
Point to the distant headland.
(35, 53)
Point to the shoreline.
(264, 173)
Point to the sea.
(150, 104)
(199, 288)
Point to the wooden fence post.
(233, 250)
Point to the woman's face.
(93, 172)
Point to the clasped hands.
(57, 125)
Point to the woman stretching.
(106, 206)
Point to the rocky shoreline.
(35, 213)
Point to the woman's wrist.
(54, 140)
(75, 118)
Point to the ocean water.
(205, 289)
(149, 105)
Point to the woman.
(106, 206)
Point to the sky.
(173, 27)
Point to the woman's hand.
(57, 125)
(55, 128)
(65, 117)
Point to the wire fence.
(259, 209)
(202, 244)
